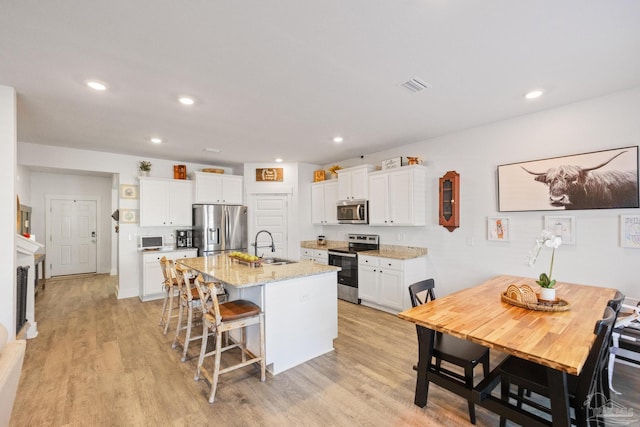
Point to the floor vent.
(416, 85)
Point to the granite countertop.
(165, 249)
(330, 244)
(397, 252)
(385, 251)
(230, 272)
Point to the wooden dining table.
(560, 340)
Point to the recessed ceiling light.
(278, 160)
(533, 94)
(211, 150)
(97, 85)
(186, 100)
(338, 139)
(156, 140)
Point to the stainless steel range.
(347, 259)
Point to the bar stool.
(171, 290)
(221, 318)
(189, 299)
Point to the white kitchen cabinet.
(398, 197)
(353, 183)
(324, 198)
(383, 283)
(320, 256)
(152, 281)
(215, 188)
(165, 202)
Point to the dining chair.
(189, 301)
(616, 304)
(625, 339)
(582, 388)
(448, 348)
(170, 292)
(222, 318)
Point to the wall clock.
(449, 216)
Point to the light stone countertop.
(331, 244)
(385, 251)
(230, 272)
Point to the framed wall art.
(128, 216)
(630, 231)
(498, 229)
(596, 180)
(563, 227)
(128, 191)
(396, 162)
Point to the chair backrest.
(422, 292)
(597, 358)
(208, 298)
(182, 278)
(616, 303)
(165, 266)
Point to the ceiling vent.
(416, 85)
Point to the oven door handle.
(348, 255)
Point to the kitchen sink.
(277, 261)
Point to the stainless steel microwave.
(353, 212)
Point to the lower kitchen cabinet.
(383, 283)
(320, 256)
(152, 283)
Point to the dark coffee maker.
(184, 238)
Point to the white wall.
(126, 169)
(465, 257)
(8, 208)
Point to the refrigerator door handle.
(214, 235)
(226, 228)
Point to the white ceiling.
(282, 78)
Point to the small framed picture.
(128, 216)
(630, 231)
(393, 163)
(498, 229)
(563, 227)
(319, 175)
(128, 191)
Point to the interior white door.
(73, 237)
(269, 212)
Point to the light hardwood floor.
(105, 362)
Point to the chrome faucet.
(255, 243)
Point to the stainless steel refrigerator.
(219, 228)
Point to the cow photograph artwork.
(597, 180)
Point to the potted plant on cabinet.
(145, 167)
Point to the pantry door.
(269, 212)
(72, 236)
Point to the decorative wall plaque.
(269, 174)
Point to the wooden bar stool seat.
(221, 318)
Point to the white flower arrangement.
(549, 240)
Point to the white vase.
(548, 294)
(144, 173)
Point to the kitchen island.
(299, 301)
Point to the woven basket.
(538, 305)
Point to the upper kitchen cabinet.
(165, 202)
(324, 199)
(353, 183)
(398, 196)
(215, 188)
